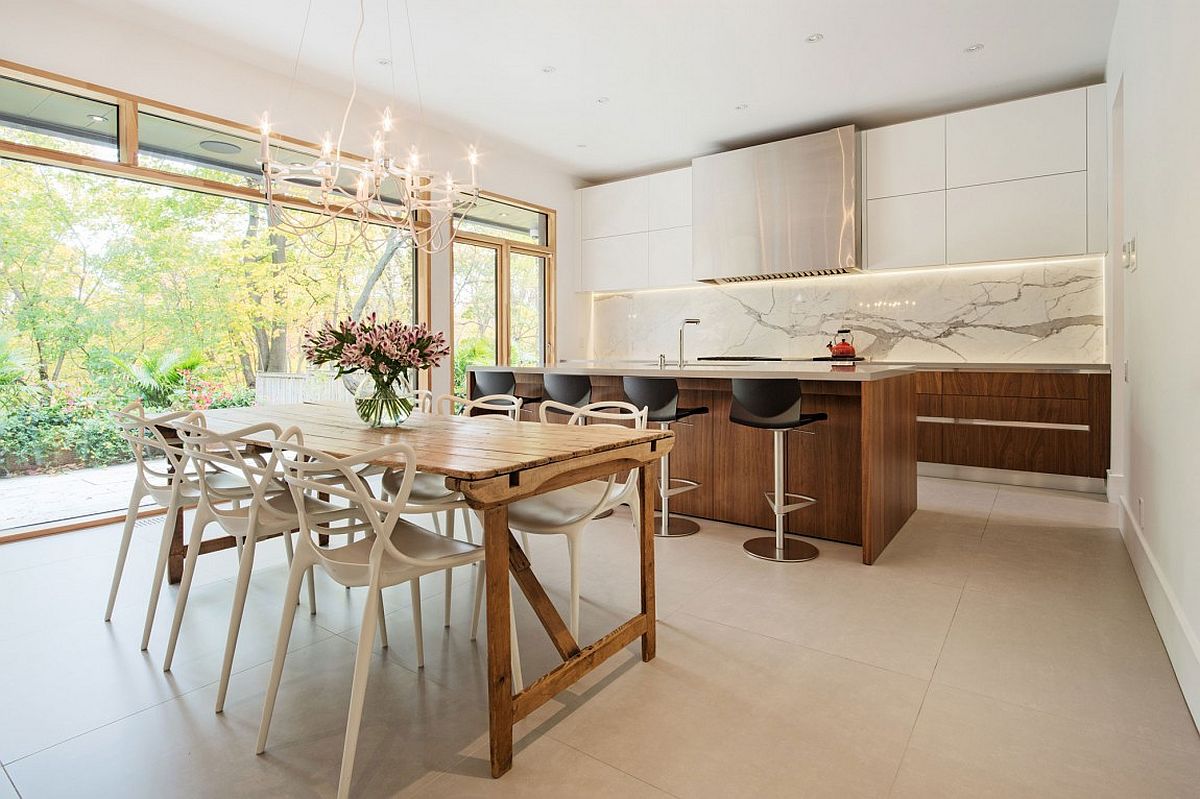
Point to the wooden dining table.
(494, 462)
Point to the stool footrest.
(780, 510)
(680, 485)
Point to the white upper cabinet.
(906, 159)
(670, 199)
(616, 263)
(670, 257)
(1044, 135)
(908, 230)
(1097, 170)
(1033, 218)
(614, 209)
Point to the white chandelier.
(351, 200)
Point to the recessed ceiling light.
(602, 100)
(502, 213)
(548, 69)
(97, 117)
(975, 48)
(581, 145)
(384, 62)
(741, 106)
(813, 38)
(222, 147)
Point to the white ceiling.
(674, 71)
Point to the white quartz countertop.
(802, 370)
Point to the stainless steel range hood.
(784, 209)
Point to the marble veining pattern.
(1049, 312)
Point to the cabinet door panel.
(1038, 217)
(906, 231)
(670, 199)
(906, 159)
(1097, 160)
(615, 263)
(670, 257)
(615, 209)
(1043, 135)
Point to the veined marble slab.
(1012, 313)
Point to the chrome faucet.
(683, 326)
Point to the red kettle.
(843, 348)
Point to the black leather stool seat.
(497, 383)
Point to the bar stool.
(660, 396)
(488, 383)
(774, 404)
(573, 390)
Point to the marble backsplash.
(1051, 312)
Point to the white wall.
(1155, 63)
(79, 43)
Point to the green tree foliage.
(157, 376)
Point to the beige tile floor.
(1000, 647)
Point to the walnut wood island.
(861, 464)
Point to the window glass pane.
(57, 120)
(187, 149)
(475, 309)
(504, 221)
(527, 323)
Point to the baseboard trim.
(1115, 486)
(1178, 635)
(983, 474)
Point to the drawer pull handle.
(1001, 423)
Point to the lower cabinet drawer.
(1018, 448)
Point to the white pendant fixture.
(368, 200)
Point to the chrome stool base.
(794, 550)
(677, 527)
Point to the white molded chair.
(429, 492)
(393, 552)
(170, 484)
(271, 510)
(567, 511)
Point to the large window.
(502, 309)
(137, 260)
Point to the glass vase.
(383, 403)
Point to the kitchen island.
(861, 464)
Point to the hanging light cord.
(412, 50)
(287, 103)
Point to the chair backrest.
(766, 402)
(489, 383)
(214, 452)
(148, 437)
(658, 395)
(605, 412)
(307, 469)
(507, 404)
(574, 390)
(422, 399)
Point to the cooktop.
(740, 358)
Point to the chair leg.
(415, 587)
(135, 499)
(358, 690)
(185, 584)
(235, 617)
(291, 598)
(383, 639)
(574, 545)
(160, 568)
(478, 602)
(449, 573)
(470, 529)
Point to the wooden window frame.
(506, 248)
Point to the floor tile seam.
(818, 650)
(11, 782)
(1118, 732)
(159, 703)
(550, 734)
(924, 696)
